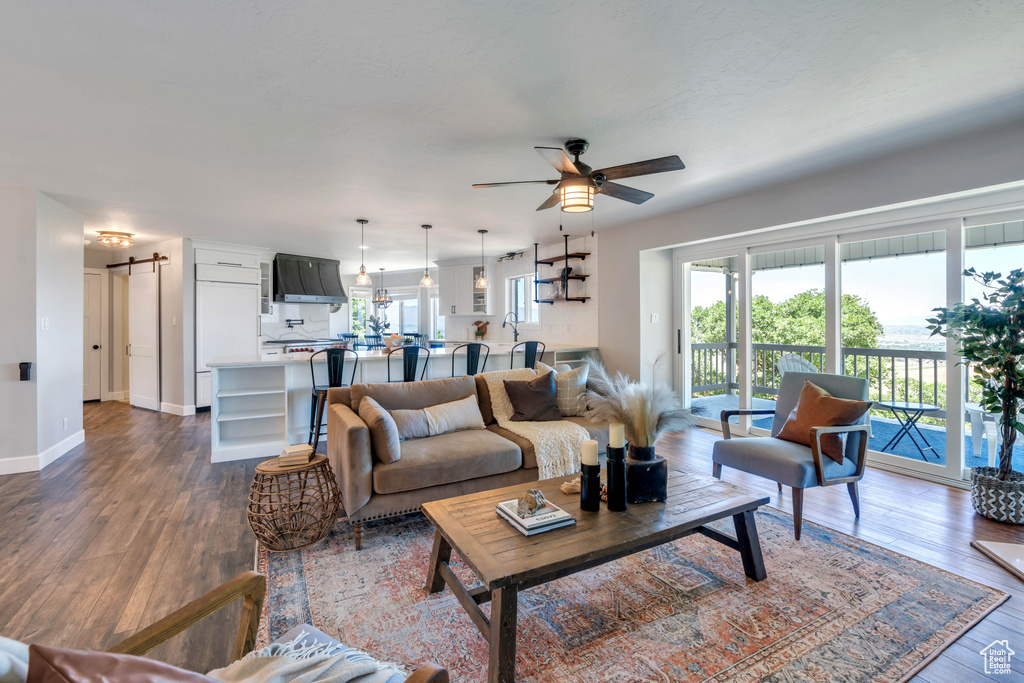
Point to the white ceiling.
(277, 126)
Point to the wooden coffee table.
(507, 562)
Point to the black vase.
(646, 476)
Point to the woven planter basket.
(996, 499)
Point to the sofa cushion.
(383, 430)
(445, 459)
(414, 395)
(525, 445)
(483, 395)
(533, 400)
(598, 430)
(412, 424)
(782, 461)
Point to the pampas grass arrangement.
(647, 410)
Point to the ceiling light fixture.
(481, 282)
(427, 281)
(118, 240)
(576, 195)
(363, 278)
(381, 298)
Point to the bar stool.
(374, 342)
(473, 364)
(410, 359)
(531, 353)
(335, 378)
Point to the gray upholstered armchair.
(792, 464)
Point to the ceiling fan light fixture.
(363, 279)
(116, 240)
(577, 198)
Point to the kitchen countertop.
(497, 348)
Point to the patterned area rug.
(834, 608)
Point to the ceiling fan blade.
(517, 182)
(629, 194)
(557, 157)
(672, 163)
(551, 201)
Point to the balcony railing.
(892, 374)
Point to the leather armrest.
(348, 450)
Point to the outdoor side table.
(907, 414)
(293, 507)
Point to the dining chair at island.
(473, 364)
(336, 359)
(530, 352)
(374, 342)
(410, 360)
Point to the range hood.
(307, 280)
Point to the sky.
(901, 291)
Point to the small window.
(520, 299)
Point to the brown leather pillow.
(535, 400)
(57, 665)
(818, 408)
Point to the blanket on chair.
(557, 444)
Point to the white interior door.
(144, 338)
(92, 337)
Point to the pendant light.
(481, 282)
(381, 298)
(363, 279)
(427, 281)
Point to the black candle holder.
(590, 488)
(616, 459)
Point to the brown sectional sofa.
(430, 468)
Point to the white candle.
(617, 435)
(589, 452)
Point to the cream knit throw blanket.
(557, 444)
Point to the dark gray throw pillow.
(535, 400)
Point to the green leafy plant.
(376, 324)
(990, 337)
(646, 409)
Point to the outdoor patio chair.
(793, 362)
(793, 464)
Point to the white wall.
(654, 337)
(59, 301)
(982, 159)
(564, 322)
(18, 435)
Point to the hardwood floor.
(137, 522)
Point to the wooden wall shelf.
(566, 257)
(578, 255)
(553, 280)
(581, 299)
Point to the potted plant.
(377, 325)
(990, 337)
(646, 409)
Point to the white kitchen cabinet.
(227, 324)
(204, 395)
(266, 288)
(210, 273)
(216, 257)
(457, 294)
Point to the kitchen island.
(262, 404)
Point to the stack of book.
(299, 454)
(547, 518)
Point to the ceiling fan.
(579, 183)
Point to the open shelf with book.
(561, 281)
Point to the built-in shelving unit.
(551, 261)
(250, 411)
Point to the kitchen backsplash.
(316, 322)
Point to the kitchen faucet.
(514, 323)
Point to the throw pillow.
(534, 400)
(454, 416)
(57, 665)
(412, 424)
(383, 430)
(570, 388)
(818, 408)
